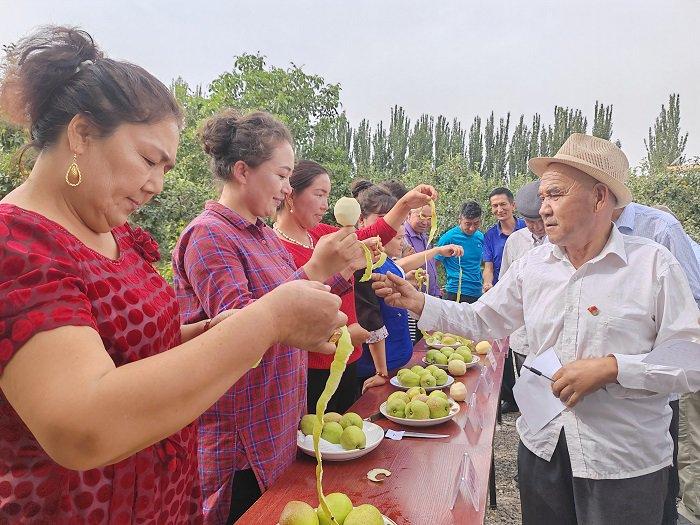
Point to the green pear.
(400, 394)
(364, 515)
(339, 505)
(440, 377)
(410, 379)
(351, 419)
(353, 438)
(417, 369)
(432, 368)
(413, 392)
(449, 340)
(298, 513)
(430, 355)
(438, 406)
(438, 393)
(447, 351)
(427, 380)
(438, 334)
(430, 341)
(396, 407)
(307, 424)
(401, 372)
(421, 397)
(456, 357)
(441, 359)
(417, 410)
(331, 432)
(332, 416)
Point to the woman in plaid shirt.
(227, 257)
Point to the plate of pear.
(442, 357)
(444, 340)
(340, 505)
(430, 378)
(343, 437)
(415, 408)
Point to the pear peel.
(373, 475)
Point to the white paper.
(472, 483)
(533, 393)
(675, 353)
(492, 360)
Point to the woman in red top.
(95, 415)
(300, 228)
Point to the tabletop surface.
(423, 471)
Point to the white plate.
(331, 452)
(475, 361)
(454, 410)
(440, 345)
(395, 381)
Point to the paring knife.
(374, 417)
(423, 435)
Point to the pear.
(400, 395)
(447, 351)
(458, 391)
(431, 355)
(307, 424)
(417, 369)
(465, 352)
(437, 334)
(331, 432)
(448, 340)
(432, 369)
(396, 407)
(457, 368)
(410, 379)
(440, 377)
(413, 392)
(353, 438)
(347, 211)
(339, 505)
(438, 406)
(421, 397)
(401, 372)
(364, 515)
(457, 357)
(332, 416)
(351, 419)
(427, 380)
(441, 359)
(417, 410)
(483, 347)
(438, 393)
(298, 513)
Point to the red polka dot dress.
(48, 279)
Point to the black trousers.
(343, 397)
(670, 509)
(550, 495)
(245, 492)
(463, 299)
(508, 379)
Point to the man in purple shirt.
(417, 227)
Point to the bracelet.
(206, 325)
(385, 376)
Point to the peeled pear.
(482, 347)
(458, 391)
(347, 211)
(298, 513)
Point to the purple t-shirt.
(419, 242)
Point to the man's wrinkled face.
(419, 219)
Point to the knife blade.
(374, 417)
(423, 435)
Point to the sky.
(455, 58)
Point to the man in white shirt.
(665, 229)
(527, 202)
(601, 300)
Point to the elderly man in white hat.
(598, 301)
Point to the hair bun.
(358, 186)
(217, 133)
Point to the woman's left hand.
(375, 380)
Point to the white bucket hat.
(599, 158)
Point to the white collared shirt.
(641, 298)
(518, 244)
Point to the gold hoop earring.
(74, 173)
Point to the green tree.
(380, 149)
(398, 140)
(666, 143)
(457, 140)
(420, 142)
(602, 121)
(442, 140)
(489, 143)
(519, 150)
(362, 147)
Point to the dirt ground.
(507, 496)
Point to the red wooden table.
(423, 471)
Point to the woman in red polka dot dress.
(95, 416)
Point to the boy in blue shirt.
(467, 235)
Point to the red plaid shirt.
(222, 261)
